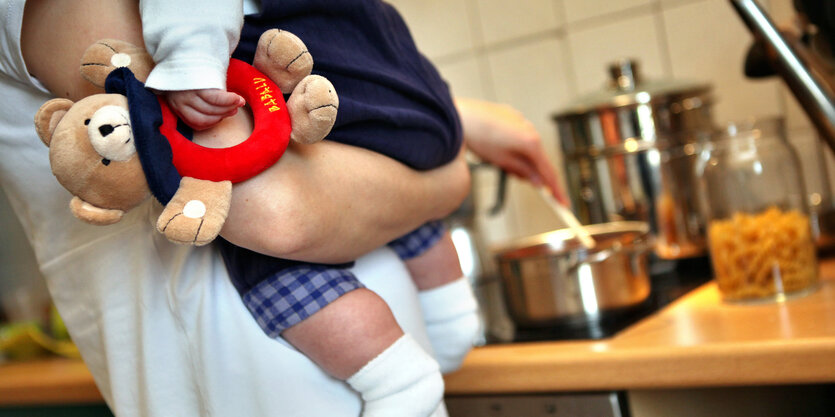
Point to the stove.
(669, 281)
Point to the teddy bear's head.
(92, 154)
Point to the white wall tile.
(501, 20)
(465, 77)
(577, 10)
(708, 42)
(781, 11)
(440, 27)
(595, 48)
(796, 117)
(532, 78)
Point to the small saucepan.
(551, 278)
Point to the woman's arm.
(331, 202)
(328, 202)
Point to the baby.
(398, 106)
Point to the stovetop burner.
(667, 286)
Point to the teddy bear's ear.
(94, 215)
(108, 54)
(48, 117)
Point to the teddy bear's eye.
(86, 122)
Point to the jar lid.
(627, 88)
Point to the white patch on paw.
(194, 209)
(120, 60)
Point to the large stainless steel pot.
(551, 278)
(629, 155)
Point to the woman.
(159, 326)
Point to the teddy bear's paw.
(312, 106)
(108, 54)
(283, 57)
(196, 212)
(190, 224)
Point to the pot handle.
(500, 194)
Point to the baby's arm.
(202, 109)
(191, 42)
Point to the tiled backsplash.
(540, 55)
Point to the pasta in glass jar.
(759, 234)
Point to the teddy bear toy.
(111, 151)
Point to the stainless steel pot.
(629, 155)
(551, 278)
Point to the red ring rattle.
(263, 148)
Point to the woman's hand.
(502, 136)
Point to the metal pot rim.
(561, 242)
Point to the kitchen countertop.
(697, 341)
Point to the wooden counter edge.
(47, 382)
(547, 368)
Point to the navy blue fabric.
(151, 146)
(391, 98)
(419, 240)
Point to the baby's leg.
(355, 338)
(449, 307)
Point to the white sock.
(452, 323)
(403, 381)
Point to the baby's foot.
(283, 57)
(312, 108)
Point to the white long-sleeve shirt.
(191, 41)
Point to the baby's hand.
(202, 109)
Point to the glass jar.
(759, 234)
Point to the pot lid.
(628, 88)
(613, 236)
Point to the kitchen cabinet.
(95, 410)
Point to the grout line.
(474, 16)
(663, 41)
(488, 82)
(610, 17)
(488, 86)
(501, 45)
(672, 4)
(568, 57)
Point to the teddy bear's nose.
(106, 129)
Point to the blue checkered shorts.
(418, 241)
(297, 292)
(294, 294)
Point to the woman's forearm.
(332, 203)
